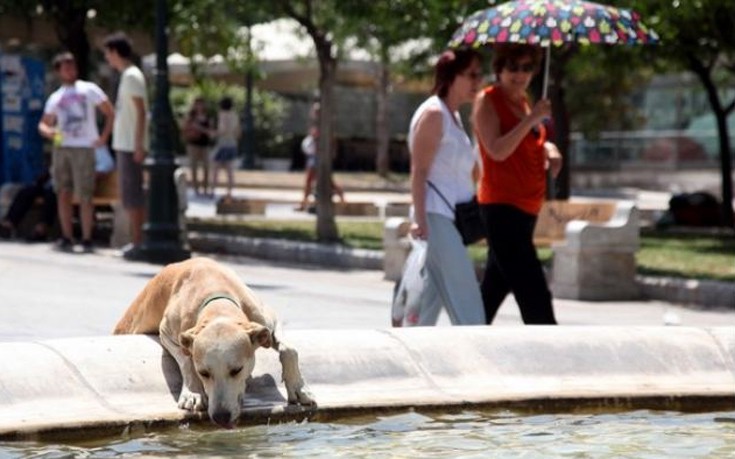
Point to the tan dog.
(211, 323)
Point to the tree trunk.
(326, 227)
(728, 219)
(382, 130)
(70, 25)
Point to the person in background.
(515, 156)
(42, 188)
(69, 121)
(309, 148)
(225, 150)
(130, 136)
(197, 127)
(442, 165)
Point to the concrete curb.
(114, 382)
(701, 293)
(688, 291)
(334, 255)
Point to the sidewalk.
(46, 294)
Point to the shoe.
(132, 252)
(87, 247)
(64, 245)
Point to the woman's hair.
(507, 53)
(226, 103)
(450, 64)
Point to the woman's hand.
(553, 159)
(540, 111)
(419, 231)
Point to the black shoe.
(64, 245)
(87, 247)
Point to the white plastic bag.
(406, 298)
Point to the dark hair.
(507, 53)
(62, 57)
(226, 103)
(450, 64)
(120, 43)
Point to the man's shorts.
(130, 176)
(72, 169)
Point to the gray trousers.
(451, 277)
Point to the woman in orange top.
(515, 156)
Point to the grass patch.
(690, 256)
(661, 254)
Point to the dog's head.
(223, 353)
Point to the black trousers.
(513, 266)
(24, 199)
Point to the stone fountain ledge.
(81, 385)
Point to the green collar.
(217, 296)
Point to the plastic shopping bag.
(406, 297)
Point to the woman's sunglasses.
(514, 67)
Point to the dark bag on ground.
(466, 217)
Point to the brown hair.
(506, 53)
(450, 64)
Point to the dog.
(211, 323)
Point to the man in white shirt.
(130, 135)
(69, 120)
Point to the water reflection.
(469, 434)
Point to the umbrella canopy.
(547, 22)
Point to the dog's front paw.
(192, 401)
(302, 395)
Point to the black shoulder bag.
(466, 217)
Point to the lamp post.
(162, 241)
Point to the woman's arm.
(487, 126)
(426, 139)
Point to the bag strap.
(446, 201)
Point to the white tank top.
(451, 171)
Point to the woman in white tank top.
(442, 154)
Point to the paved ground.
(45, 294)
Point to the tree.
(319, 19)
(70, 19)
(698, 36)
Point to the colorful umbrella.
(547, 22)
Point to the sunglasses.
(514, 67)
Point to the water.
(467, 434)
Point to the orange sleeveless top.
(520, 180)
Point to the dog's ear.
(186, 340)
(259, 335)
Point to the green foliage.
(600, 84)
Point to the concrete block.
(596, 260)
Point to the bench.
(596, 258)
(593, 241)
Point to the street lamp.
(162, 241)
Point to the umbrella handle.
(547, 60)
